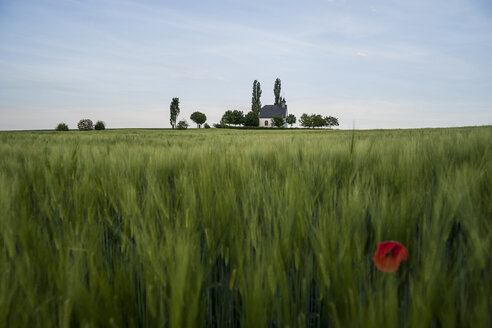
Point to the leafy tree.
(255, 100)
(227, 118)
(100, 125)
(199, 118)
(291, 119)
(306, 120)
(331, 121)
(206, 126)
(276, 90)
(182, 125)
(174, 112)
(61, 127)
(237, 117)
(251, 119)
(278, 121)
(232, 117)
(317, 121)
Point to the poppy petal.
(389, 255)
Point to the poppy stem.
(403, 297)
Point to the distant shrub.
(182, 125)
(99, 126)
(251, 119)
(278, 121)
(206, 126)
(85, 125)
(62, 127)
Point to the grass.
(229, 228)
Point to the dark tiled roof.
(269, 111)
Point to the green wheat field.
(241, 228)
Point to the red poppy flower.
(389, 255)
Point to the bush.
(182, 125)
(206, 126)
(278, 121)
(85, 125)
(61, 127)
(99, 126)
(251, 119)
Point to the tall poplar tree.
(174, 112)
(255, 100)
(276, 91)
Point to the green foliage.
(100, 126)
(235, 117)
(227, 118)
(199, 118)
(226, 228)
(291, 119)
(331, 121)
(61, 127)
(255, 100)
(317, 121)
(174, 109)
(220, 125)
(306, 120)
(276, 91)
(251, 119)
(182, 125)
(206, 126)
(278, 121)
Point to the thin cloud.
(104, 55)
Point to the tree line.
(237, 118)
(252, 118)
(318, 121)
(198, 117)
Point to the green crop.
(250, 228)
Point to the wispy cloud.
(89, 57)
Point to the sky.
(371, 64)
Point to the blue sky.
(372, 64)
